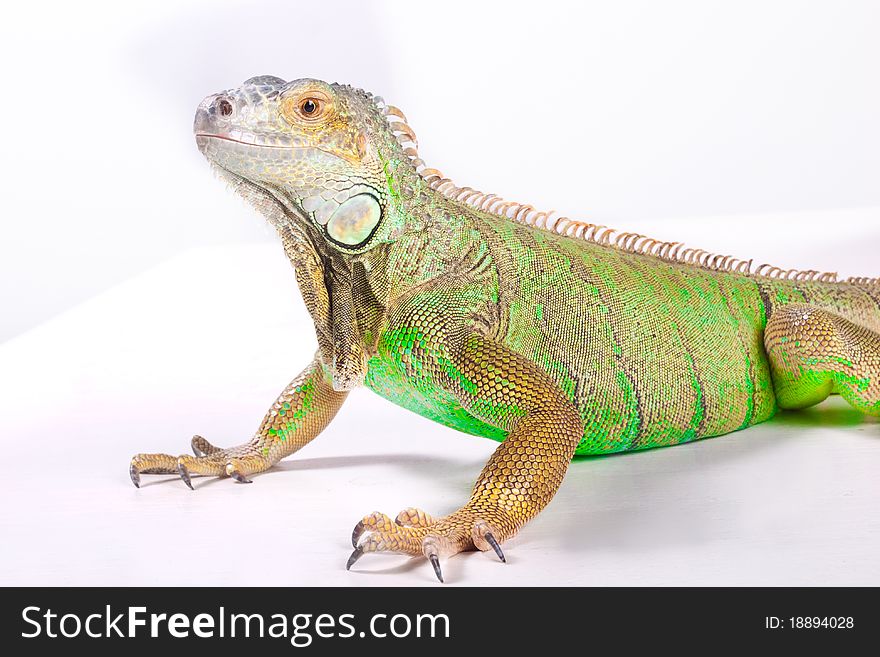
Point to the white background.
(615, 111)
(163, 308)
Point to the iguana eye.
(310, 108)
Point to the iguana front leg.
(299, 414)
(507, 390)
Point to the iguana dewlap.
(554, 337)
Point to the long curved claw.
(240, 478)
(184, 474)
(357, 554)
(435, 561)
(135, 475)
(430, 550)
(490, 539)
(356, 533)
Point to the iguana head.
(318, 149)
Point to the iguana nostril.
(224, 107)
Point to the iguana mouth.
(281, 147)
(206, 135)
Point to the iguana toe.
(413, 517)
(202, 447)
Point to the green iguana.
(552, 336)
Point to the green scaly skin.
(454, 306)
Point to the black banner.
(323, 620)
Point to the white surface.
(633, 109)
(204, 342)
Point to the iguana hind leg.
(814, 352)
(299, 414)
(522, 476)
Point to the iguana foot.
(236, 462)
(414, 532)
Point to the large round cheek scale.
(354, 220)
